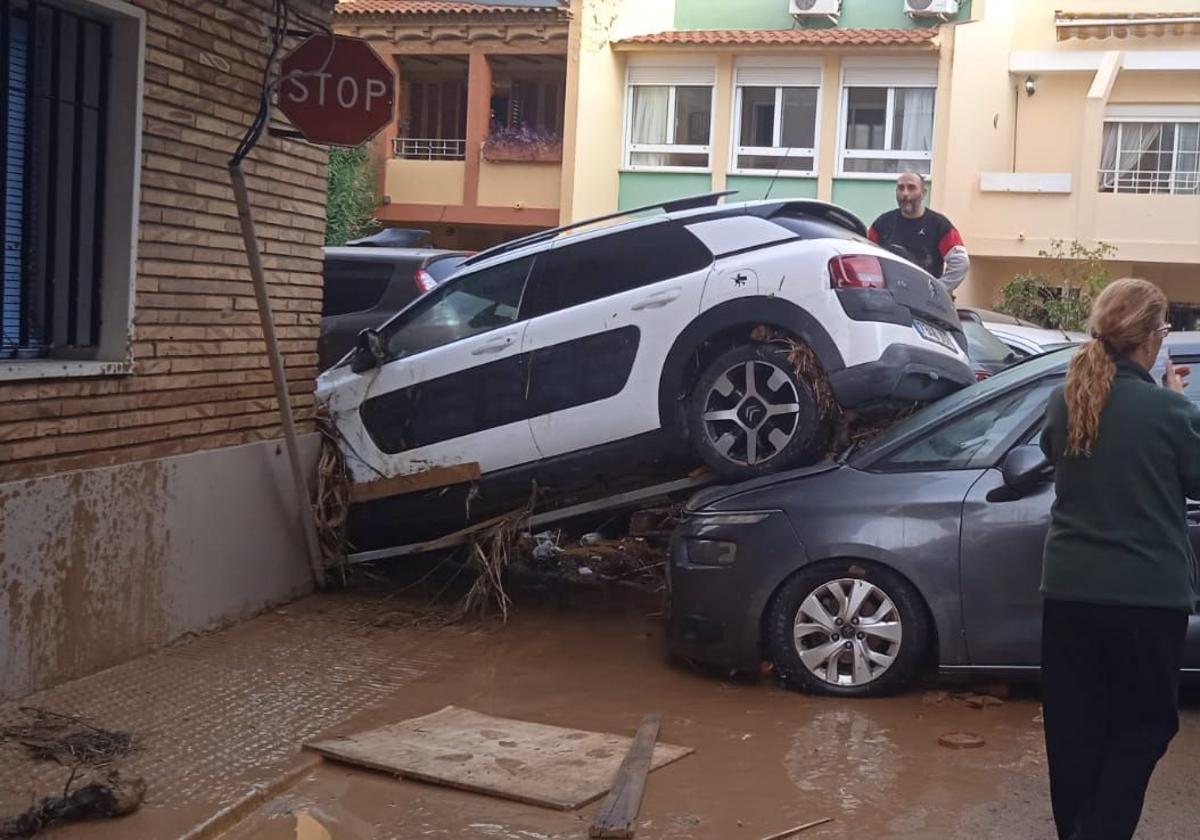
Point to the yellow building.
(1077, 120)
(659, 99)
(1073, 120)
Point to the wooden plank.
(424, 480)
(792, 832)
(549, 766)
(620, 500)
(620, 809)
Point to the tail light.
(424, 280)
(856, 272)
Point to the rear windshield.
(439, 270)
(810, 227)
(354, 285)
(984, 347)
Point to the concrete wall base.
(99, 566)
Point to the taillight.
(424, 280)
(856, 271)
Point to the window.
(354, 285)
(1151, 157)
(669, 117)
(978, 437)
(613, 263)
(70, 145)
(887, 117)
(775, 117)
(777, 130)
(466, 306)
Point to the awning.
(1128, 25)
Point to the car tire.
(809, 649)
(743, 430)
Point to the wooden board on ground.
(429, 479)
(620, 808)
(527, 762)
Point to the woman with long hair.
(1119, 574)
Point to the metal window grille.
(414, 148)
(54, 93)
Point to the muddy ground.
(765, 759)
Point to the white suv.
(568, 341)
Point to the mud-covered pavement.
(766, 759)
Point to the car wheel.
(751, 413)
(847, 628)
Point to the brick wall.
(201, 377)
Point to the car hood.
(712, 496)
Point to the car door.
(454, 388)
(354, 292)
(1003, 535)
(602, 313)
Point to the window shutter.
(777, 72)
(662, 70)
(897, 72)
(14, 189)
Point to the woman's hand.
(1176, 377)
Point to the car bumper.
(716, 611)
(903, 373)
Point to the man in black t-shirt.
(924, 236)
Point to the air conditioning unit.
(931, 8)
(803, 9)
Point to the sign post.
(336, 91)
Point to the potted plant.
(522, 143)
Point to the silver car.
(923, 545)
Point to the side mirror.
(368, 351)
(1024, 467)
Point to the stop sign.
(341, 98)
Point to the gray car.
(925, 543)
(365, 285)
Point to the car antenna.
(778, 169)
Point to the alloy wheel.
(751, 412)
(847, 632)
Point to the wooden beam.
(620, 808)
(424, 480)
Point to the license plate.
(935, 334)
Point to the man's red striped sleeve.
(950, 240)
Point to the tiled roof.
(789, 38)
(435, 7)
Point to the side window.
(471, 304)
(608, 265)
(979, 434)
(354, 285)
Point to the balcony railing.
(1150, 181)
(413, 148)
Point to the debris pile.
(88, 751)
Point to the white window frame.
(889, 75)
(778, 147)
(122, 179)
(672, 84)
(1166, 114)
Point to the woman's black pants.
(1110, 692)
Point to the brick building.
(144, 491)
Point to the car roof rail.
(674, 205)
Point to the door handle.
(496, 345)
(657, 299)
